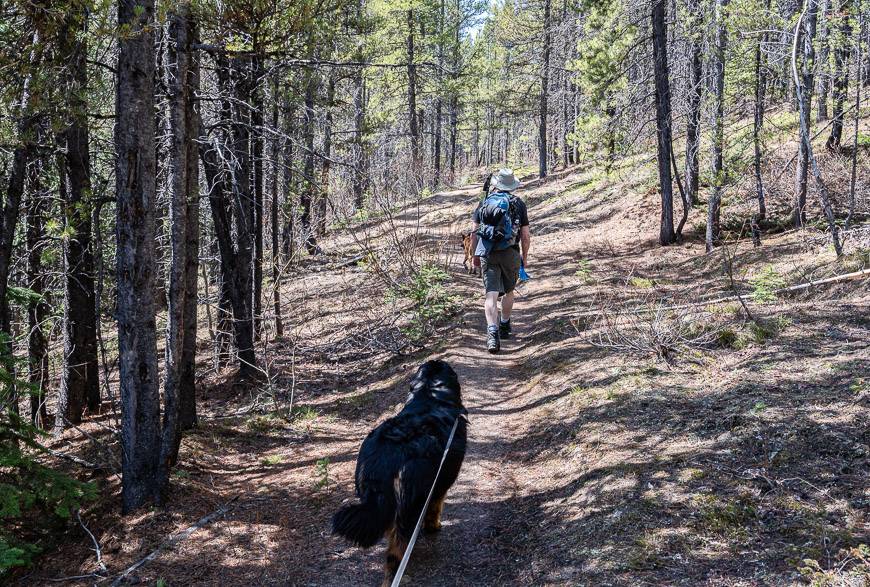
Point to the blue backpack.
(496, 231)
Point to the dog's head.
(438, 381)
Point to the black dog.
(398, 462)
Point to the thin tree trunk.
(273, 210)
(841, 74)
(545, 80)
(135, 188)
(714, 204)
(693, 126)
(663, 119)
(244, 216)
(183, 125)
(799, 215)
(760, 99)
(37, 310)
(256, 115)
(822, 78)
(80, 383)
(360, 159)
(858, 86)
(805, 135)
(307, 198)
(413, 128)
(323, 192)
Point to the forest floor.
(740, 458)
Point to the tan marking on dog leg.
(395, 552)
(433, 516)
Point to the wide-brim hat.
(504, 180)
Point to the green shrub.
(431, 300)
(765, 284)
(584, 271)
(29, 489)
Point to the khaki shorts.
(501, 270)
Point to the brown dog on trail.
(468, 263)
(468, 238)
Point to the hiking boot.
(504, 328)
(493, 344)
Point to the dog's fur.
(468, 263)
(398, 462)
(468, 240)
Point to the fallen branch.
(173, 540)
(97, 551)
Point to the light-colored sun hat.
(505, 181)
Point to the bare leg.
(491, 308)
(507, 304)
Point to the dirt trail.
(475, 546)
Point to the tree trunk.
(323, 191)
(823, 79)
(287, 180)
(80, 383)
(359, 160)
(416, 162)
(663, 119)
(273, 215)
(244, 216)
(135, 188)
(799, 215)
(760, 98)
(714, 204)
(545, 80)
(37, 310)
(310, 185)
(693, 126)
(183, 189)
(256, 115)
(841, 74)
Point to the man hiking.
(501, 227)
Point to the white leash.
(398, 578)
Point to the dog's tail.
(364, 523)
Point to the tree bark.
(80, 376)
(663, 120)
(360, 166)
(244, 216)
(256, 116)
(308, 192)
(545, 80)
(183, 126)
(274, 214)
(693, 126)
(413, 129)
(323, 191)
(760, 99)
(841, 74)
(135, 186)
(37, 310)
(799, 215)
(714, 204)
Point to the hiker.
(501, 227)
